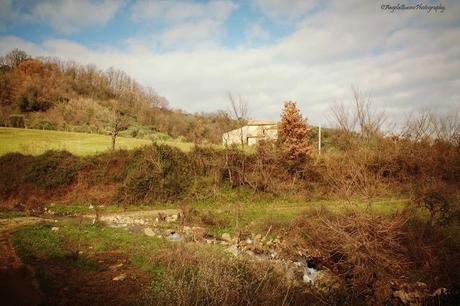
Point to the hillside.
(52, 94)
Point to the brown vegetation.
(294, 134)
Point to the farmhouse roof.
(261, 122)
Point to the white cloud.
(70, 16)
(255, 32)
(182, 11)
(282, 10)
(188, 23)
(189, 33)
(8, 43)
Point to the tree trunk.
(114, 137)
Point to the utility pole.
(319, 139)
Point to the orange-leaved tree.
(294, 135)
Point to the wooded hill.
(53, 94)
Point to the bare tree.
(239, 111)
(418, 127)
(118, 123)
(447, 127)
(14, 58)
(361, 117)
(428, 126)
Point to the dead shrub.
(432, 250)
(263, 171)
(437, 197)
(211, 219)
(348, 175)
(192, 275)
(365, 251)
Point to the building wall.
(251, 134)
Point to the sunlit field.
(35, 142)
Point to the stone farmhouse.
(251, 133)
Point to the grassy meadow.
(36, 142)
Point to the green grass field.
(35, 142)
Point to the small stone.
(174, 237)
(90, 206)
(440, 291)
(258, 237)
(149, 232)
(421, 285)
(80, 252)
(120, 277)
(55, 228)
(233, 249)
(115, 267)
(187, 230)
(226, 237)
(198, 233)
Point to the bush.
(186, 275)
(160, 137)
(52, 169)
(17, 121)
(29, 101)
(43, 125)
(294, 136)
(156, 173)
(365, 251)
(12, 170)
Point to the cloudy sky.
(267, 51)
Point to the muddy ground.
(60, 282)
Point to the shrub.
(158, 172)
(52, 169)
(17, 121)
(12, 169)
(29, 101)
(365, 251)
(186, 275)
(44, 125)
(294, 135)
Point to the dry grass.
(193, 275)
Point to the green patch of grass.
(38, 241)
(11, 214)
(36, 142)
(102, 238)
(257, 212)
(70, 209)
(184, 146)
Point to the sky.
(266, 51)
